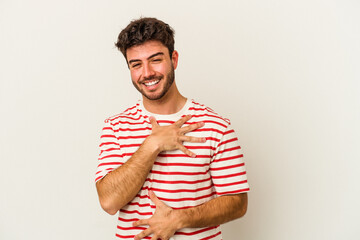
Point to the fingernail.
(193, 155)
(204, 139)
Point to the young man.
(170, 166)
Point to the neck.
(170, 103)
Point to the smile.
(151, 83)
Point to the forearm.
(217, 211)
(120, 186)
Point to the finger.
(192, 139)
(141, 222)
(155, 237)
(154, 198)
(143, 234)
(153, 121)
(186, 151)
(192, 127)
(182, 120)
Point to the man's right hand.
(167, 138)
(121, 185)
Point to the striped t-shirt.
(176, 179)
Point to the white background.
(285, 72)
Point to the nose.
(148, 72)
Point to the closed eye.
(135, 65)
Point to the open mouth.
(151, 83)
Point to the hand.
(168, 138)
(162, 224)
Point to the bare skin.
(166, 221)
(120, 186)
(149, 62)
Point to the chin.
(153, 98)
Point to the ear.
(174, 58)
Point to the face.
(152, 69)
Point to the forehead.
(145, 50)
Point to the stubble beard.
(170, 77)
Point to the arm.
(120, 186)
(217, 211)
(166, 221)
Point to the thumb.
(154, 198)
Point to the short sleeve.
(227, 167)
(110, 156)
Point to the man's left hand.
(162, 224)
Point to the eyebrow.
(154, 55)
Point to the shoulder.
(201, 110)
(130, 113)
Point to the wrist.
(179, 219)
(151, 145)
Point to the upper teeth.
(151, 83)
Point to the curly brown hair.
(145, 29)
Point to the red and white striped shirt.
(176, 179)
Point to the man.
(170, 166)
